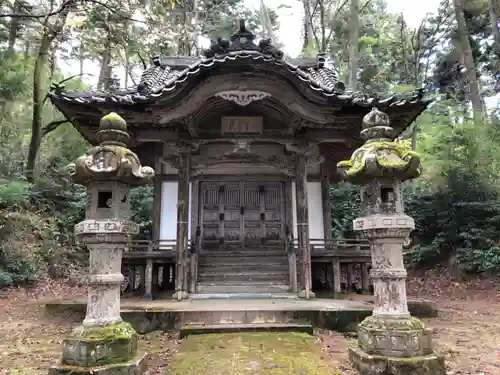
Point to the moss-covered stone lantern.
(391, 341)
(104, 344)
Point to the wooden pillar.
(156, 274)
(327, 207)
(142, 279)
(194, 261)
(337, 290)
(290, 246)
(365, 278)
(157, 195)
(184, 166)
(303, 225)
(350, 277)
(133, 278)
(148, 277)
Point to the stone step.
(243, 276)
(242, 287)
(244, 253)
(237, 266)
(203, 259)
(238, 317)
(231, 328)
(243, 296)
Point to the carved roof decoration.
(111, 160)
(380, 156)
(243, 40)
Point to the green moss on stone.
(407, 324)
(93, 346)
(388, 154)
(111, 332)
(113, 121)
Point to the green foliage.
(344, 200)
(142, 208)
(14, 194)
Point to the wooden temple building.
(245, 145)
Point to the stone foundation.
(135, 366)
(89, 347)
(395, 346)
(367, 364)
(404, 337)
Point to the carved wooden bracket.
(243, 98)
(177, 150)
(241, 145)
(308, 150)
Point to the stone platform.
(165, 314)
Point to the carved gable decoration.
(243, 98)
(232, 125)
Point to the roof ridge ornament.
(243, 40)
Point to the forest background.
(453, 53)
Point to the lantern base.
(367, 364)
(136, 366)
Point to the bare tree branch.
(65, 4)
(142, 60)
(364, 6)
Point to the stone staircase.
(244, 270)
(204, 322)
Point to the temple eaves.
(166, 80)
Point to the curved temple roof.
(161, 77)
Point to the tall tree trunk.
(14, 27)
(354, 44)
(473, 83)
(49, 32)
(323, 25)
(52, 59)
(105, 71)
(494, 10)
(308, 32)
(81, 59)
(27, 47)
(40, 68)
(266, 22)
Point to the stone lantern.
(104, 344)
(391, 341)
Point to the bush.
(142, 209)
(16, 267)
(14, 194)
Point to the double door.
(241, 213)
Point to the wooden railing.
(320, 248)
(150, 255)
(147, 249)
(348, 250)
